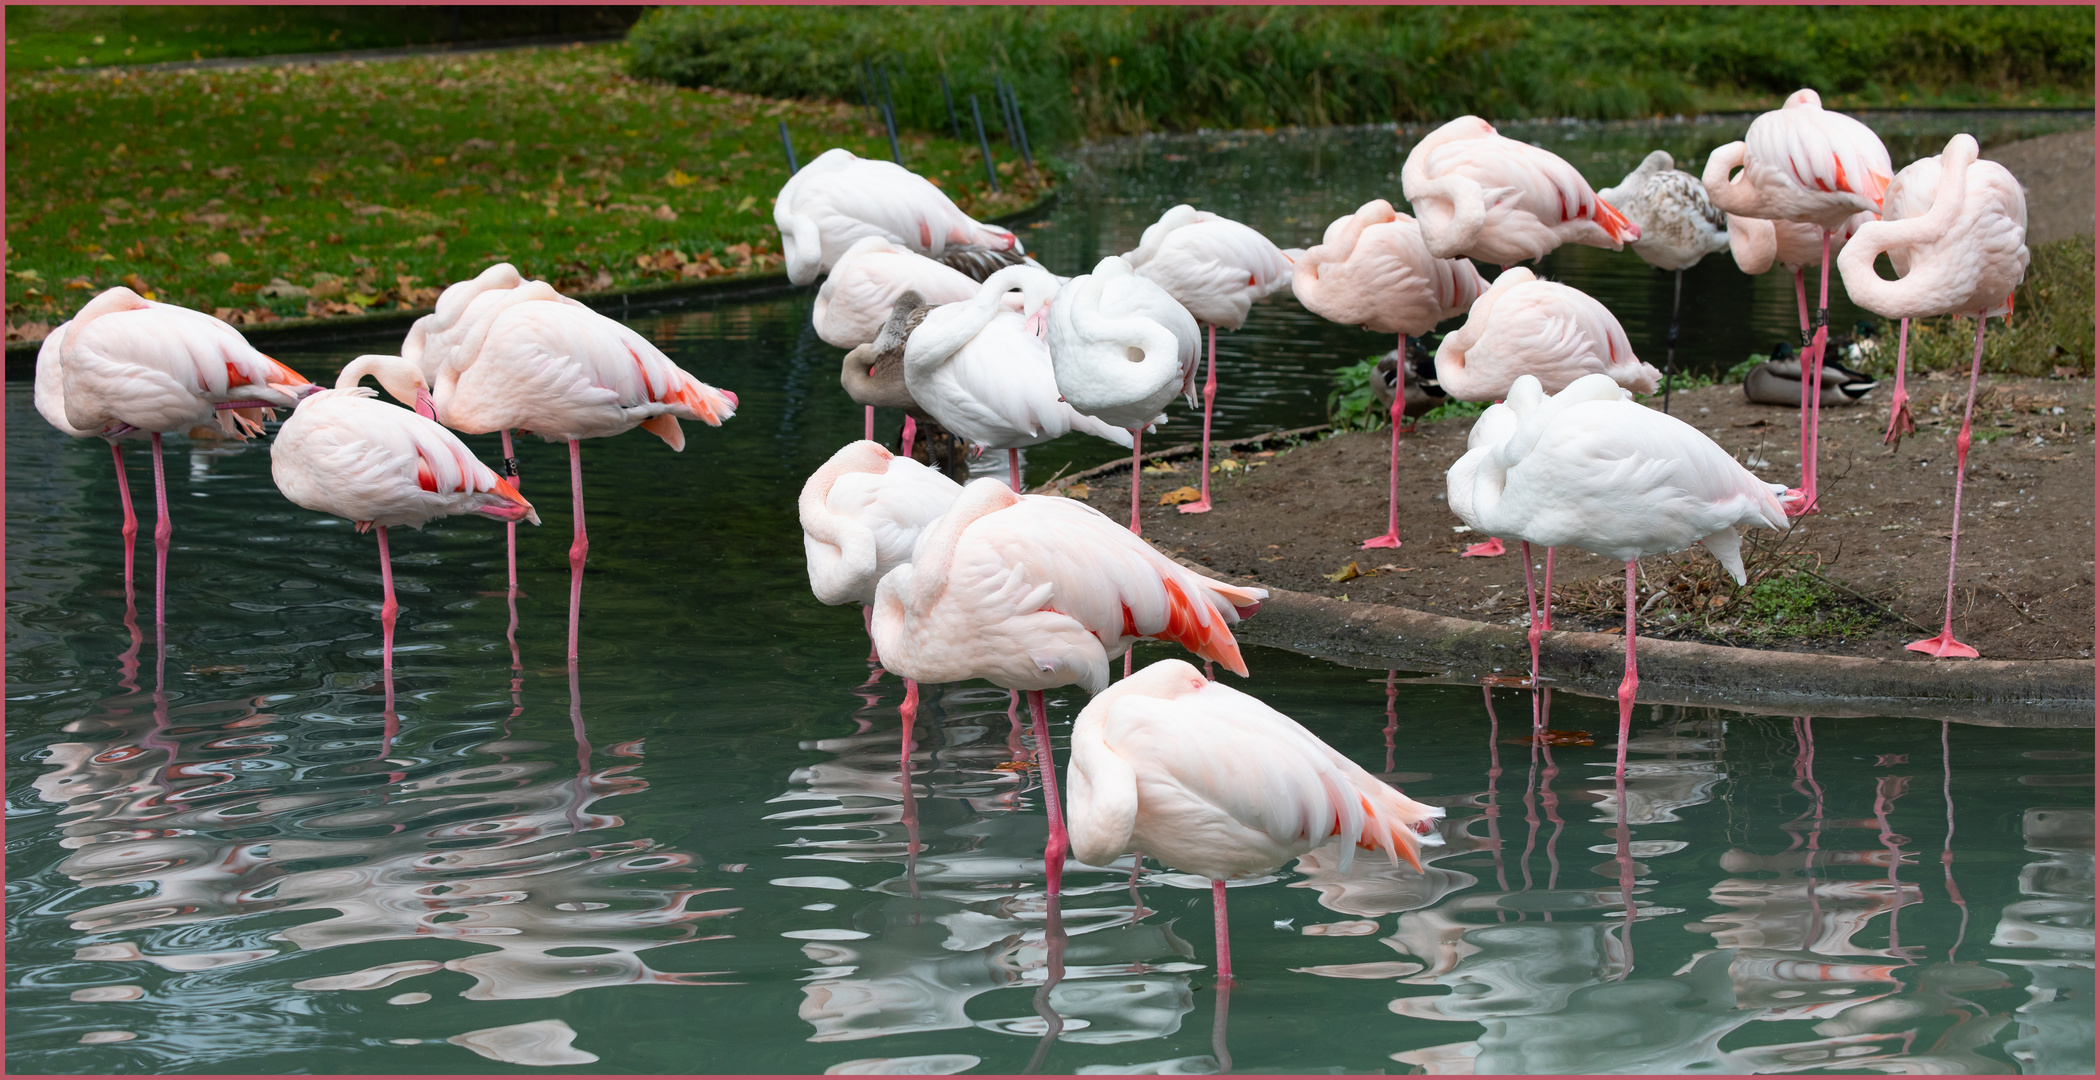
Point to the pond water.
(693, 850)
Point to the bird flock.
(985, 349)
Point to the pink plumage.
(1801, 162)
(1525, 326)
(855, 300)
(1956, 232)
(1482, 195)
(1215, 266)
(838, 199)
(1758, 244)
(1373, 269)
(862, 512)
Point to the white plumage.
(1679, 224)
(838, 199)
(1525, 326)
(1214, 266)
(1121, 347)
(856, 299)
(862, 512)
(1373, 269)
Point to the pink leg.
(1632, 680)
(1944, 645)
(131, 519)
(911, 713)
(1217, 909)
(1807, 342)
(867, 623)
(1391, 539)
(868, 432)
(1210, 396)
(1488, 548)
(1531, 605)
(1013, 470)
(1137, 440)
(1546, 598)
(578, 547)
(510, 528)
(163, 530)
(1129, 662)
(1392, 718)
(911, 431)
(387, 610)
(1046, 764)
(1815, 381)
(1900, 423)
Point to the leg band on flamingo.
(1945, 645)
(1210, 396)
(1046, 766)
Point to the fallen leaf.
(1162, 467)
(1227, 465)
(138, 285)
(219, 258)
(1346, 573)
(1078, 491)
(1180, 495)
(664, 213)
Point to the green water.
(696, 852)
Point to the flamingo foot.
(1390, 540)
(1900, 423)
(1491, 548)
(1795, 503)
(1200, 506)
(1943, 647)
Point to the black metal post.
(1020, 128)
(1006, 112)
(954, 124)
(866, 80)
(1670, 342)
(788, 145)
(984, 146)
(889, 115)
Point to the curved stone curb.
(2009, 693)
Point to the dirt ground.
(2024, 583)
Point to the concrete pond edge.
(1995, 693)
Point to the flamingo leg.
(910, 711)
(1531, 608)
(1944, 645)
(1391, 539)
(1624, 857)
(868, 432)
(1013, 470)
(1217, 910)
(130, 530)
(1546, 597)
(510, 528)
(1046, 764)
(1814, 382)
(1137, 439)
(1210, 396)
(1900, 423)
(163, 530)
(1670, 339)
(1218, 1047)
(387, 610)
(911, 431)
(867, 623)
(580, 546)
(1632, 681)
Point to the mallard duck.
(1778, 381)
(1423, 393)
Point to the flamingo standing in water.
(502, 352)
(1121, 348)
(124, 365)
(981, 369)
(1592, 468)
(862, 290)
(1214, 782)
(1216, 268)
(1802, 163)
(1966, 254)
(836, 200)
(1030, 592)
(345, 453)
(1483, 195)
(1373, 269)
(1679, 226)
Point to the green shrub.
(2051, 324)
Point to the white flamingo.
(838, 199)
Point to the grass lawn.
(337, 189)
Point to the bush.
(2051, 325)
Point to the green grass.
(41, 37)
(1097, 70)
(2051, 325)
(368, 186)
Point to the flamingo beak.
(426, 406)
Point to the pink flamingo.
(1216, 268)
(1758, 243)
(1032, 592)
(862, 290)
(345, 453)
(124, 365)
(502, 352)
(836, 200)
(1592, 468)
(1212, 781)
(1966, 254)
(1121, 348)
(1803, 163)
(1373, 269)
(1482, 195)
(1552, 332)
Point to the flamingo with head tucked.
(1121, 348)
(124, 366)
(1803, 163)
(1679, 226)
(1031, 592)
(1483, 195)
(1965, 254)
(345, 453)
(1216, 268)
(1373, 269)
(836, 200)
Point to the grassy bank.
(2051, 327)
(1086, 71)
(345, 188)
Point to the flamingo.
(982, 370)
(1966, 254)
(855, 300)
(503, 352)
(124, 365)
(1031, 592)
(873, 375)
(345, 453)
(1592, 468)
(1214, 782)
(1373, 269)
(1805, 164)
(1482, 195)
(1121, 348)
(1216, 268)
(837, 199)
(1679, 226)
(1757, 244)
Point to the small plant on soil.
(1785, 597)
